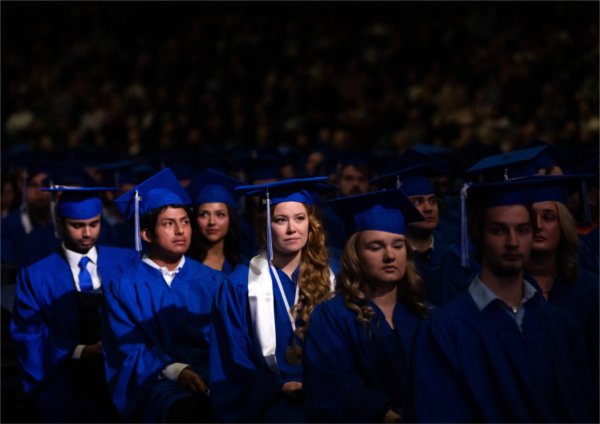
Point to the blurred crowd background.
(223, 84)
(92, 82)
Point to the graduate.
(217, 242)
(55, 326)
(554, 263)
(458, 265)
(260, 317)
(28, 233)
(423, 236)
(156, 321)
(499, 352)
(358, 347)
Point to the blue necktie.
(85, 279)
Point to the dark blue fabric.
(352, 372)
(588, 252)
(149, 325)
(429, 267)
(46, 327)
(20, 249)
(476, 366)
(243, 388)
(454, 278)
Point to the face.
(80, 235)
(428, 206)
(547, 234)
(213, 220)
(507, 239)
(172, 234)
(382, 255)
(37, 199)
(289, 225)
(353, 181)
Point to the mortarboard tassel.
(25, 220)
(464, 235)
(53, 210)
(269, 234)
(138, 240)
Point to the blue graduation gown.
(429, 265)
(149, 325)
(354, 373)
(46, 327)
(243, 387)
(455, 278)
(588, 251)
(476, 366)
(20, 249)
(580, 298)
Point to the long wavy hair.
(231, 248)
(352, 280)
(313, 280)
(568, 246)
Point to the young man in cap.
(499, 352)
(55, 326)
(157, 312)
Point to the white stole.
(262, 307)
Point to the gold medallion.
(293, 355)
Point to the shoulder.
(334, 307)
(47, 264)
(117, 252)
(459, 308)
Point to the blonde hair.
(313, 280)
(352, 279)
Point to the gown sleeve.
(242, 387)
(134, 358)
(41, 352)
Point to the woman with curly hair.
(260, 317)
(357, 350)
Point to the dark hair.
(200, 245)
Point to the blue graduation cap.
(291, 190)
(124, 172)
(78, 202)
(505, 166)
(413, 180)
(413, 157)
(161, 189)
(384, 210)
(212, 186)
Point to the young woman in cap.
(357, 350)
(217, 241)
(260, 318)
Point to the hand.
(392, 416)
(92, 351)
(191, 381)
(292, 389)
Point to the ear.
(146, 235)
